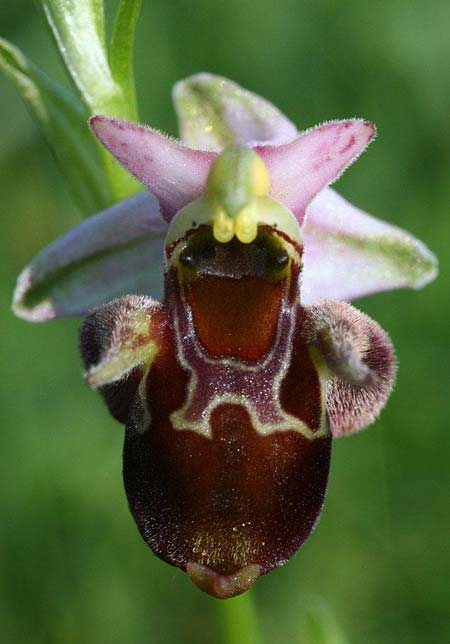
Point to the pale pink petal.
(175, 174)
(299, 170)
(114, 253)
(349, 254)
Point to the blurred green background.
(74, 568)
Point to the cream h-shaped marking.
(218, 381)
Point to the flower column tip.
(236, 179)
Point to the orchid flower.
(233, 387)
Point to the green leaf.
(63, 120)
(121, 51)
(79, 30)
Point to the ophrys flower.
(231, 389)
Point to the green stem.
(238, 620)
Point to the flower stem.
(238, 620)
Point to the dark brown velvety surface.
(226, 502)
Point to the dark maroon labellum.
(231, 501)
(230, 391)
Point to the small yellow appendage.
(237, 178)
(261, 181)
(246, 225)
(223, 227)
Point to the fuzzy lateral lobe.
(118, 342)
(361, 359)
